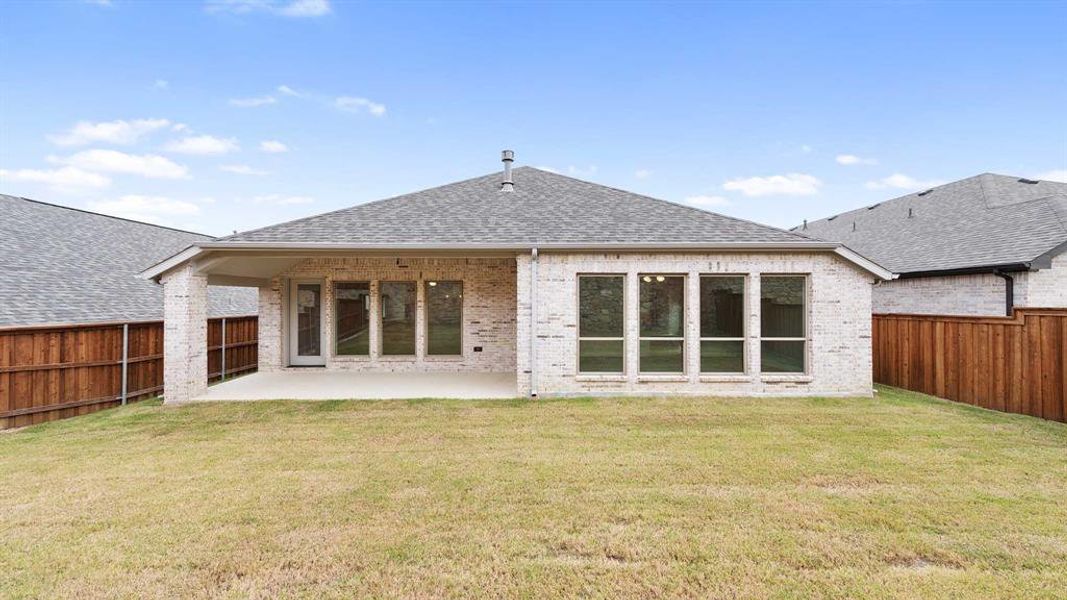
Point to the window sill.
(674, 378)
(726, 378)
(787, 378)
(601, 378)
(350, 358)
(398, 358)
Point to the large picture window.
(398, 317)
(444, 318)
(783, 324)
(662, 323)
(722, 324)
(352, 310)
(601, 318)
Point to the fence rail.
(58, 371)
(1014, 364)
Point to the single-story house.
(978, 246)
(61, 265)
(566, 286)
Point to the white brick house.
(568, 287)
(979, 246)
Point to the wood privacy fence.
(55, 372)
(1013, 364)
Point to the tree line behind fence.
(55, 372)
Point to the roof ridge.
(99, 214)
(677, 204)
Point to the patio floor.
(317, 384)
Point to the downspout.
(1009, 291)
(533, 322)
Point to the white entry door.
(305, 323)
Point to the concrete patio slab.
(315, 384)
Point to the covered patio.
(321, 384)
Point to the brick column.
(184, 334)
(270, 327)
(752, 344)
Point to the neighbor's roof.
(63, 265)
(545, 208)
(982, 221)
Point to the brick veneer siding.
(488, 312)
(1047, 288)
(839, 321)
(184, 334)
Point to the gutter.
(156, 270)
(1009, 291)
(985, 269)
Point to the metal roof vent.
(508, 157)
(925, 193)
(805, 223)
(1030, 181)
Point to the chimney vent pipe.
(508, 157)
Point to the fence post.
(223, 349)
(125, 359)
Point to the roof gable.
(544, 208)
(980, 221)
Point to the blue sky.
(216, 116)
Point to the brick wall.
(1047, 288)
(184, 334)
(839, 309)
(488, 312)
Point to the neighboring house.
(61, 265)
(978, 246)
(570, 286)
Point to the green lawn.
(899, 496)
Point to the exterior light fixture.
(660, 278)
(433, 283)
(647, 279)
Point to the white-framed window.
(661, 318)
(601, 324)
(722, 324)
(784, 323)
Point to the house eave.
(156, 271)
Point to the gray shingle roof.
(62, 265)
(544, 208)
(980, 221)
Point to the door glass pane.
(444, 317)
(353, 318)
(782, 307)
(782, 357)
(722, 307)
(600, 356)
(661, 356)
(398, 317)
(662, 306)
(722, 357)
(308, 319)
(600, 306)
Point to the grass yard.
(901, 496)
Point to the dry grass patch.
(900, 496)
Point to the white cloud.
(273, 146)
(242, 170)
(705, 201)
(113, 161)
(109, 132)
(580, 172)
(65, 178)
(806, 149)
(152, 209)
(161, 84)
(305, 8)
(288, 91)
(293, 8)
(354, 104)
(252, 102)
(203, 144)
(1053, 175)
(279, 200)
(642, 173)
(852, 159)
(790, 184)
(180, 127)
(902, 182)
